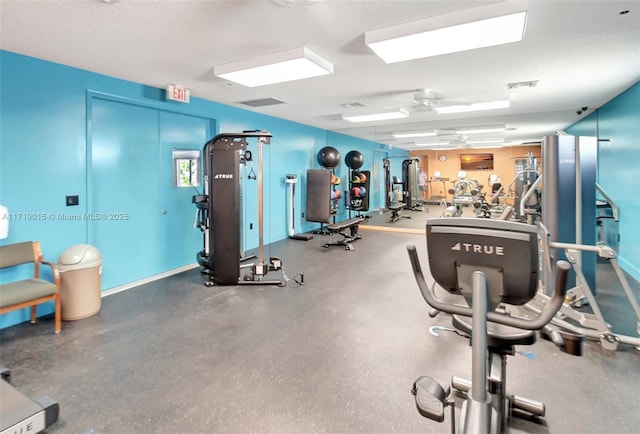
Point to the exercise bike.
(490, 263)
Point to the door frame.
(91, 96)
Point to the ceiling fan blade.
(421, 107)
(393, 93)
(447, 103)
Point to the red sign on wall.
(178, 93)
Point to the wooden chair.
(29, 292)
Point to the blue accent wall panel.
(618, 122)
(124, 196)
(44, 128)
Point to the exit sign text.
(178, 93)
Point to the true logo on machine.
(223, 176)
(479, 248)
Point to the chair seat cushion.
(499, 336)
(25, 290)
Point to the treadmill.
(19, 414)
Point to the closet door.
(123, 191)
(181, 137)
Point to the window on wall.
(186, 168)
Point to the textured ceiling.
(583, 53)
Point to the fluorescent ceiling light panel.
(499, 145)
(480, 130)
(414, 134)
(441, 149)
(491, 105)
(375, 116)
(478, 142)
(495, 24)
(437, 145)
(289, 65)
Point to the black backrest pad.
(509, 247)
(318, 195)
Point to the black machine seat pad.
(335, 227)
(397, 206)
(499, 336)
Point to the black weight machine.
(220, 209)
(410, 188)
(392, 205)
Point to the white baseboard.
(149, 279)
(630, 268)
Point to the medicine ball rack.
(357, 198)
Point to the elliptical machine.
(490, 263)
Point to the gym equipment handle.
(550, 309)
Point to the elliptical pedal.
(431, 398)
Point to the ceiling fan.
(426, 100)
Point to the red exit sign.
(178, 93)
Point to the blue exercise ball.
(328, 157)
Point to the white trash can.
(81, 281)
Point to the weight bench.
(396, 211)
(353, 225)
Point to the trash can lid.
(79, 257)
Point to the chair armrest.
(38, 259)
(54, 270)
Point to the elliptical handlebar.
(550, 309)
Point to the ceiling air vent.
(351, 105)
(522, 84)
(262, 102)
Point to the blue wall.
(619, 122)
(44, 151)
